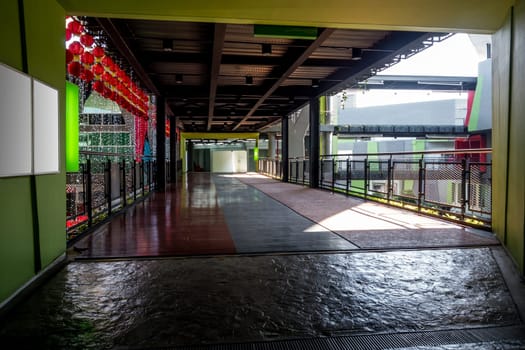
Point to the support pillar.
(284, 151)
(189, 152)
(173, 149)
(161, 144)
(271, 145)
(314, 143)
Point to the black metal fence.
(455, 185)
(103, 186)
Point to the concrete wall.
(296, 133)
(44, 30)
(508, 127)
(443, 112)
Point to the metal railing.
(455, 185)
(271, 167)
(103, 186)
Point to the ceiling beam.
(218, 44)
(270, 124)
(325, 34)
(391, 49)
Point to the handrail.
(106, 154)
(452, 151)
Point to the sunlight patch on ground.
(245, 175)
(363, 218)
(316, 228)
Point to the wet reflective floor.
(152, 303)
(275, 270)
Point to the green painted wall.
(418, 146)
(500, 126)
(47, 62)
(516, 165)
(476, 104)
(373, 147)
(508, 142)
(45, 55)
(16, 235)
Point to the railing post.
(304, 171)
(333, 174)
(464, 176)
(421, 188)
(107, 179)
(88, 193)
(390, 180)
(123, 183)
(155, 175)
(347, 175)
(296, 170)
(141, 169)
(321, 168)
(365, 190)
(134, 179)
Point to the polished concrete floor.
(236, 259)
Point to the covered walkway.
(227, 259)
(236, 214)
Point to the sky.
(455, 56)
(458, 55)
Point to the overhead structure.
(241, 77)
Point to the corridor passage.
(230, 214)
(249, 261)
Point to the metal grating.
(480, 194)
(378, 176)
(406, 175)
(439, 177)
(374, 341)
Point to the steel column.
(314, 143)
(284, 151)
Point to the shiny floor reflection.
(99, 305)
(209, 214)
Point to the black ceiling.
(216, 77)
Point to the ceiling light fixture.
(167, 45)
(357, 54)
(179, 78)
(266, 49)
(315, 83)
